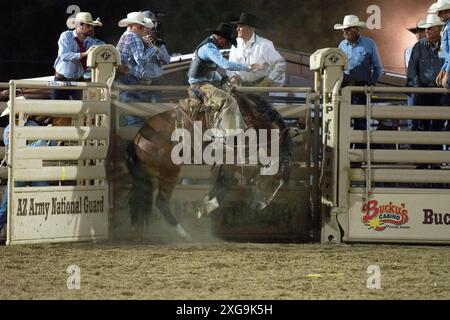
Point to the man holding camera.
(153, 67)
(135, 51)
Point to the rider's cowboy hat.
(83, 17)
(227, 31)
(418, 27)
(247, 19)
(440, 5)
(136, 18)
(432, 21)
(152, 16)
(350, 21)
(6, 111)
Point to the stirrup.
(197, 94)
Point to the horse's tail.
(140, 199)
(286, 144)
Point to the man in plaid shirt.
(135, 51)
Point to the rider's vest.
(200, 68)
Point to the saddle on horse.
(222, 114)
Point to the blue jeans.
(131, 96)
(4, 204)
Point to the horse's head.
(264, 190)
(277, 173)
(277, 170)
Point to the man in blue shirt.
(364, 61)
(203, 76)
(424, 66)
(74, 47)
(442, 9)
(135, 52)
(92, 41)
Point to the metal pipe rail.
(402, 175)
(60, 85)
(403, 156)
(402, 112)
(398, 90)
(182, 88)
(402, 137)
(61, 107)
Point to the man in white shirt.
(253, 49)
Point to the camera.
(157, 39)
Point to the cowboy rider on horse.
(203, 77)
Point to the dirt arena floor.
(222, 270)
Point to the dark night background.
(31, 28)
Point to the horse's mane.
(266, 110)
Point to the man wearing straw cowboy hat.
(74, 47)
(424, 66)
(252, 48)
(135, 51)
(442, 9)
(364, 61)
(203, 76)
(93, 41)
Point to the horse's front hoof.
(182, 233)
(207, 207)
(201, 212)
(187, 238)
(136, 235)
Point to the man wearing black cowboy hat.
(255, 49)
(420, 34)
(203, 76)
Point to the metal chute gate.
(337, 191)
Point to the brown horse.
(149, 158)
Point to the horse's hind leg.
(141, 195)
(214, 198)
(166, 188)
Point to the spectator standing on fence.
(419, 33)
(425, 64)
(365, 67)
(252, 48)
(442, 9)
(92, 41)
(73, 50)
(153, 70)
(136, 51)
